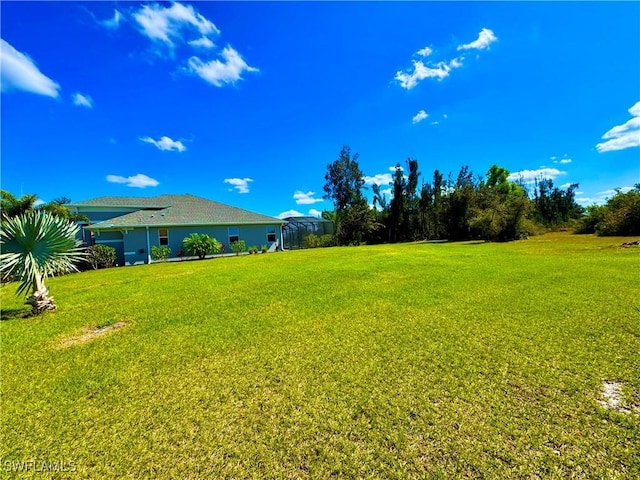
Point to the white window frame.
(160, 237)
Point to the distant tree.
(398, 211)
(344, 181)
(459, 202)
(58, 207)
(344, 184)
(12, 206)
(621, 214)
(554, 206)
(36, 245)
(501, 207)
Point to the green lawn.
(425, 360)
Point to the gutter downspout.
(148, 247)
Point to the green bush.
(253, 249)
(318, 241)
(264, 249)
(101, 256)
(201, 245)
(160, 254)
(238, 246)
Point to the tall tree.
(344, 184)
(344, 180)
(398, 206)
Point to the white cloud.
(444, 115)
(82, 100)
(611, 192)
(165, 144)
(303, 198)
(623, 136)
(435, 122)
(566, 160)
(290, 213)
(380, 178)
(485, 38)
(240, 184)
(112, 23)
(203, 42)
(529, 176)
(38, 202)
(18, 72)
(386, 191)
(315, 213)
(418, 117)
(217, 72)
(424, 52)
(166, 24)
(566, 185)
(138, 181)
(440, 70)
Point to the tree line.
(490, 206)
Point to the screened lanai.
(297, 228)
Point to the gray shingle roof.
(171, 210)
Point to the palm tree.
(13, 206)
(37, 245)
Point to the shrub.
(253, 249)
(160, 254)
(238, 246)
(264, 249)
(201, 245)
(318, 241)
(101, 256)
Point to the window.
(163, 236)
(234, 234)
(271, 234)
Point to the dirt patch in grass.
(613, 400)
(90, 333)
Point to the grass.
(394, 361)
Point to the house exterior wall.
(132, 249)
(115, 240)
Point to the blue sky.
(247, 102)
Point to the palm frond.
(37, 245)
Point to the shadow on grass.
(13, 313)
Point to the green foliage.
(619, 216)
(35, 246)
(622, 214)
(594, 217)
(253, 249)
(318, 241)
(201, 245)
(101, 256)
(554, 206)
(160, 254)
(12, 206)
(264, 249)
(58, 207)
(238, 247)
(344, 181)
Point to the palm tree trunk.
(39, 300)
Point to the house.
(132, 225)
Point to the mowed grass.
(425, 360)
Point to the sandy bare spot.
(89, 334)
(613, 400)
